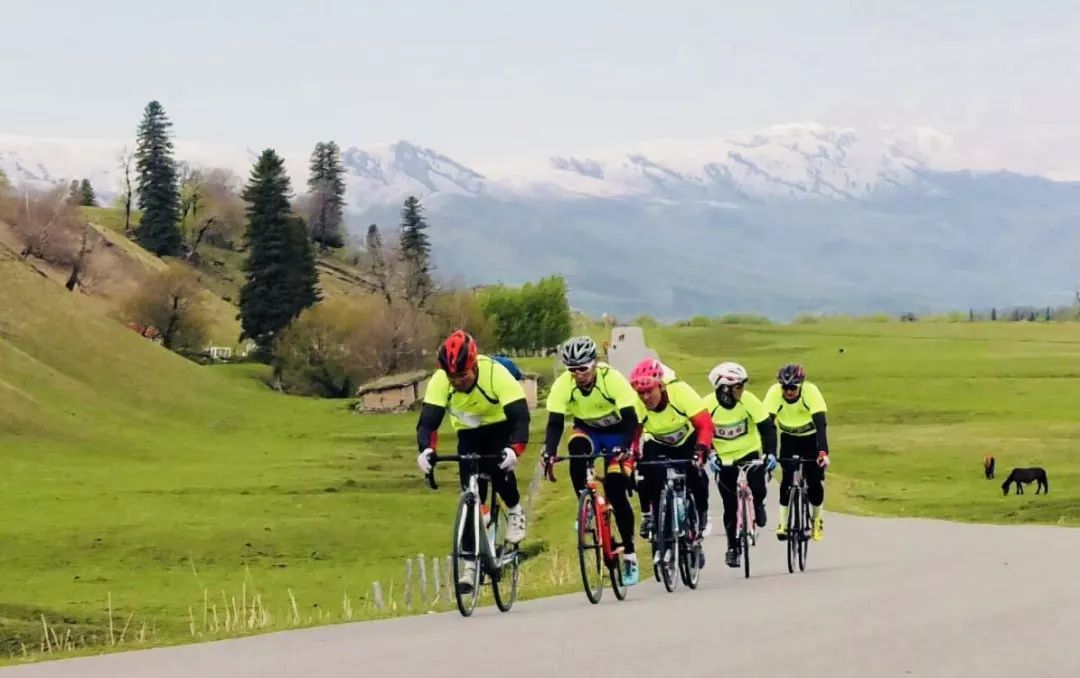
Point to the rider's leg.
(726, 483)
(579, 444)
(697, 482)
(759, 488)
(616, 489)
(652, 477)
(789, 450)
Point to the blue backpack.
(508, 364)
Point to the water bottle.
(679, 510)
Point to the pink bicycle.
(746, 529)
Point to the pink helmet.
(646, 375)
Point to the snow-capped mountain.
(783, 162)
(782, 220)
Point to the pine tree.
(280, 269)
(415, 252)
(74, 197)
(87, 197)
(159, 193)
(327, 190)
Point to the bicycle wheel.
(504, 585)
(465, 523)
(616, 565)
(689, 551)
(667, 544)
(793, 529)
(804, 536)
(745, 535)
(590, 556)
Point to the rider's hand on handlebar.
(701, 451)
(823, 459)
(770, 462)
(510, 460)
(423, 460)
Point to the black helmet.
(791, 375)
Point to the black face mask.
(725, 396)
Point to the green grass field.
(137, 477)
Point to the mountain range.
(787, 219)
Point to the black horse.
(1020, 476)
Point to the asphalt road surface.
(879, 598)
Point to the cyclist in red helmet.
(674, 424)
(799, 410)
(490, 415)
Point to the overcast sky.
(490, 81)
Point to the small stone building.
(399, 392)
(393, 393)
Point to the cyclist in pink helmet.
(675, 424)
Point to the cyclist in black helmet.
(799, 410)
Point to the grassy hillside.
(914, 407)
(135, 476)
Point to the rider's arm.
(822, 439)
(703, 426)
(554, 431)
(767, 429)
(427, 428)
(628, 427)
(517, 415)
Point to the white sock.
(515, 509)
(630, 557)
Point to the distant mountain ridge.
(788, 219)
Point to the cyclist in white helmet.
(742, 429)
(604, 408)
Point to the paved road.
(880, 598)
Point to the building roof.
(393, 381)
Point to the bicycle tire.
(688, 551)
(466, 602)
(615, 568)
(745, 536)
(665, 531)
(804, 538)
(586, 517)
(792, 529)
(504, 585)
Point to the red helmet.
(457, 354)
(646, 375)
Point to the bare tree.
(174, 303)
(127, 158)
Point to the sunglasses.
(791, 387)
(580, 369)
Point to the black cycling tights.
(654, 477)
(727, 483)
(802, 447)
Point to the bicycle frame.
(483, 540)
(601, 507)
(745, 512)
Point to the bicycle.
(594, 536)
(676, 539)
(498, 559)
(798, 521)
(746, 529)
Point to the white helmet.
(728, 374)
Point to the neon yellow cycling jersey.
(671, 425)
(600, 407)
(797, 418)
(482, 405)
(735, 431)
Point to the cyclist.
(489, 413)
(741, 430)
(799, 409)
(674, 424)
(603, 406)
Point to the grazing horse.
(1026, 475)
(988, 466)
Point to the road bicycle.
(676, 538)
(746, 528)
(480, 542)
(798, 520)
(597, 550)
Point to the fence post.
(421, 565)
(376, 592)
(448, 576)
(408, 582)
